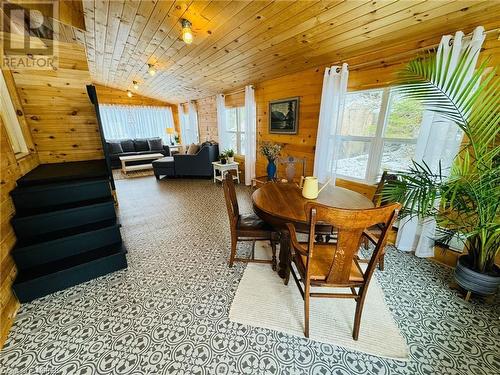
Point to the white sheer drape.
(439, 140)
(330, 121)
(221, 122)
(189, 123)
(121, 122)
(250, 134)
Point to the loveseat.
(139, 146)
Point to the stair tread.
(61, 207)
(28, 189)
(47, 237)
(61, 172)
(67, 263)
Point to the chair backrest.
(377, 197)
(291, 167)
(231, 200)
(350, 225)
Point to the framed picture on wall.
(284, 116)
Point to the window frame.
(377, 141)
(239, 131)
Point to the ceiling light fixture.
(136, 85)
(187, 33)
(151, 70)
(129, 93)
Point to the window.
(379, 132)
(235, 127)
(11, 121)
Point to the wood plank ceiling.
(241, 42)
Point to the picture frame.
(284, 116)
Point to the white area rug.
(262, 300)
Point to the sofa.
(139, 146)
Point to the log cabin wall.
(60, 115)
(109, 95)
(11, 169)
(207, 119)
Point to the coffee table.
(147, 158)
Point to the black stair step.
(62, 172)
(50, 251)
(60, 207)
(49, 278)
(41, 197)
(40, 224)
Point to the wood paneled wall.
(207, 119)
(109, 95)
(60, 115)
(11, 169)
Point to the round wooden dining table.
(281, 203)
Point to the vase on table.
(271, 169)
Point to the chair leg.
(365, 243)
(234, 242)
(273, 247)
(306, 309)
(359, 310)
(253, 250)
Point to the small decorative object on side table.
(225, 168)
(271, 152)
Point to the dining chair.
(246, 227)
(335, 264)
(373, 233)
(290, 167)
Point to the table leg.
(284, 266)
(214, 174)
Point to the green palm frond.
(469, 193)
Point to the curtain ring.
(338, 69)
(450, 42)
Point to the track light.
(136, 85)
(129, 93)
(151, 70)
(187, 33)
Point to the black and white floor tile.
(168, 312)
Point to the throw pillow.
(182, 150)
(128, 145)
(193, 149)
(141, 145)
(155, 144)
(115, 148)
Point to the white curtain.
(330, 121)
(189, 123)
(250, 134)
(439, 140)
(221, 122)
(121, 122)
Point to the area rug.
(119, 175)
(262, 300)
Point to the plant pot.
(476, 282)
(223, 161)
(271, 170)
(230, 159)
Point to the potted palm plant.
(465, 199)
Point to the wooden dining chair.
(372, 234)
(336, 264)
(247, 227)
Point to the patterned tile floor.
(168, 312)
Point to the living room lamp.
(170, 131)
(187, 33)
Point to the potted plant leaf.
(223, 158)
(465, 199)
(229, 155)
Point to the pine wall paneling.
(11, 169)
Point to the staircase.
(66, 228)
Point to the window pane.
(353, 158)
(232, 139)
(242, 144)
(405, 117)
(241, 117)
(231, 119)
(397, 156)
(361, 113)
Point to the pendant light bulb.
(187, 33)
(136, 85)
(151, 70)
(129, 93)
